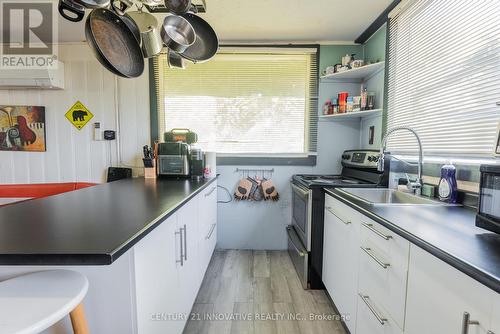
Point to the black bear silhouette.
(79, 115)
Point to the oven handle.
(292, 235)
(301, 191)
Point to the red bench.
(40, 190)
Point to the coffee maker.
(177, 156)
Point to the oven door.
(299, 255)
(301, 213)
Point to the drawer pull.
(379, 317)
(466, 323)
(380, 262)
(210, 192)
(211, 231)
(333, 213)
(377, 232)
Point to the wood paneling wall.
(73, 155)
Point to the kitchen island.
(143, 244)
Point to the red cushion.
(40, 190)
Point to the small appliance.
(488, 215)
(305, 233)
(173, 159)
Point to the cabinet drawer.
(340, 210)
(384, 271)
(383, 239)
(372, 319)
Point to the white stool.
(32, 303)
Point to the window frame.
(306, 159)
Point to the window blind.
(444, 76)
(245, 101)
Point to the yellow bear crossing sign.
(79, 115)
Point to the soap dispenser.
(448, 191)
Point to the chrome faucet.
(417, 185)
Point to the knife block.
(150, 172)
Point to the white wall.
(71, 154)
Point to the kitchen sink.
(388, 197)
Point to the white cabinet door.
(207, 224)
(495, 323)
(189, 269)
(438, 296)
(156, 278)
(340, 262)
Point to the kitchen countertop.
(90, 226)
(449, 233)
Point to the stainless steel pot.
(175, 60)
(151, 42)
(178, 6)
(177, 33)
(143, 20)
(92, 4)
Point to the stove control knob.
(346, 156)
(375, 158)
(370, 158)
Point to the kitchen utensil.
(178, 6)
(113, 43)
(153, 2)
(206, 44)
(143, 20)
(269, 190)
(151, 42)
(175, 60)
(132, 26)
(243, 188)
(93, 4)
(120, 6)
(71, 11)
(177, 33)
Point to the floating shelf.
(351, 115)
(359, 73)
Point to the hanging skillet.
(113, 43)
(206, 44)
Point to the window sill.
(233, 160)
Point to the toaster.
(173, 159)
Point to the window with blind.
(244, 102)
(444, 76)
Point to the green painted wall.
(374, 48)
(332, 54)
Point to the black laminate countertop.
(448, 233)
(90, 226)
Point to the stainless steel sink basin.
(388, 197)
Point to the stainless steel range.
(305, 233)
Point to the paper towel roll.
(210, 164)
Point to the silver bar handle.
(377, 232)
(185, 243)
(211, 231)
(181, 261)
(380, 262)
(333, 213)
(210, 192)
(466, 323)
(380, 318)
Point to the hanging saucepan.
(121, 6)
(93, 4)
(113, 43)
(151, 42)
(152, 2)
(206, 43)
(178, 6)
(175, 60)
(143, 20)
(177, 33)
(71, 11)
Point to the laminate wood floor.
(258, 292)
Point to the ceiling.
(326, 21)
